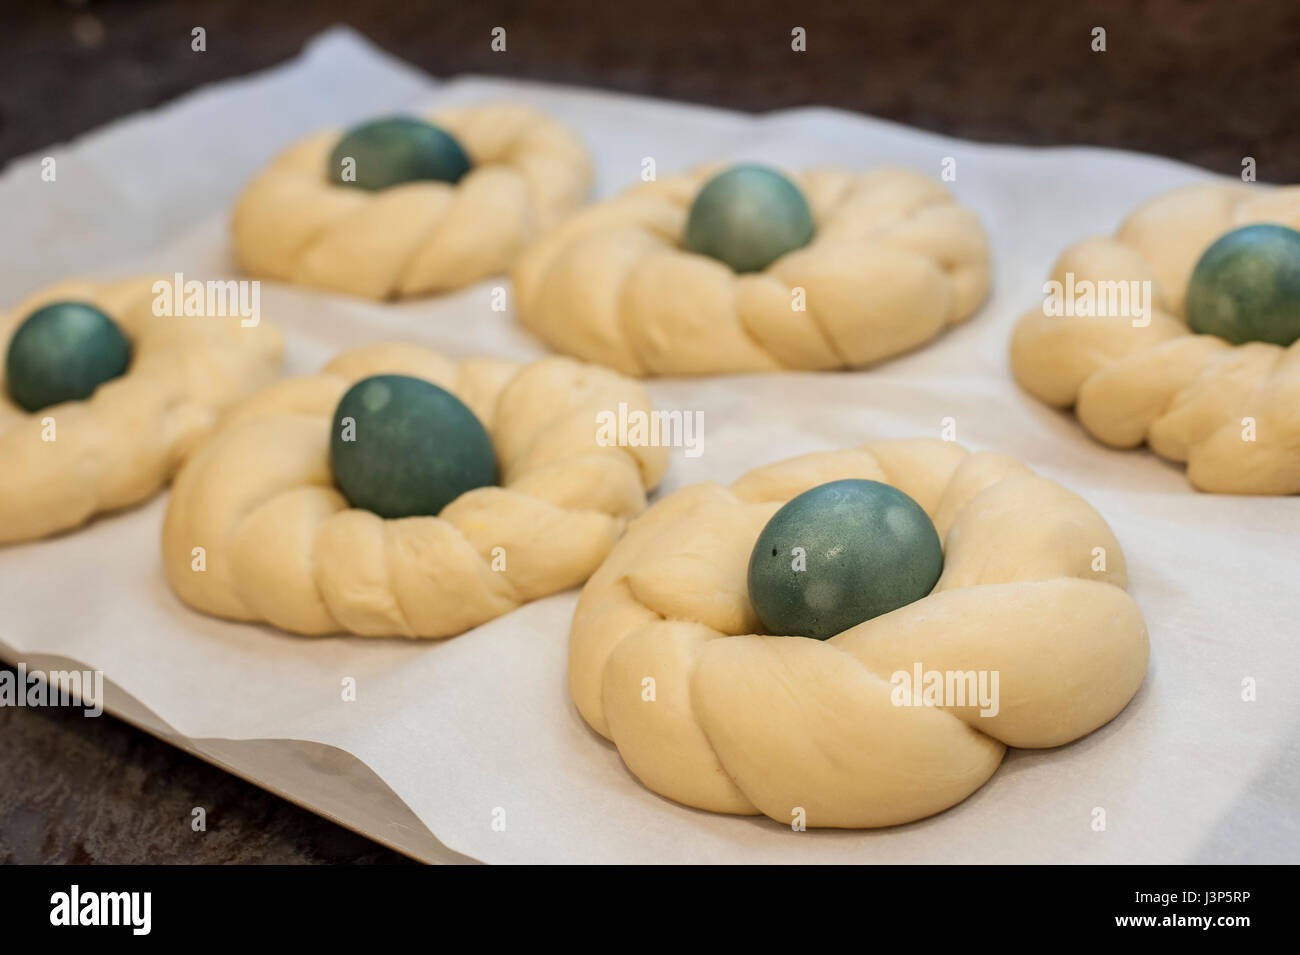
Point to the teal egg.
(410, 447)
(839, 554)
(748, 217)
(1246, 287)
(389, 152)
(63, 352)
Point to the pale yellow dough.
(742, 723)
(280, 544)
(1232, 413)
(124, 442)
(893, 263)
(293, 224)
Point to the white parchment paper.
(461, 728)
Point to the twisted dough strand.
(895, 261)
(124, 442)
(292, 224)
(281, 543)
(743, 723)
(1187, 396)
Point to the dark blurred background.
(1200, 81)
(1204, 82)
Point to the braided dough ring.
(894, 261)
(1185, 395)
(747, 724)
(282, 545)
(292, 224)
(124, 442)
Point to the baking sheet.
(471, 730)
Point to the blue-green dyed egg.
(839, 554)
(1246, 287)
(748, 217)
(388, 152)
(403, 446)
(63, 352)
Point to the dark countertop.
(1202, 82)
(79, 790)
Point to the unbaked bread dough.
(894, 261)
(292, 224)
(256, 529)
(1232, 413)
(664, 661)
(124, 442)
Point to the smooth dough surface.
(1231, 413)
(120, 445)
(294, 225)
(894, 261)
(748, 723)
(280, 544)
